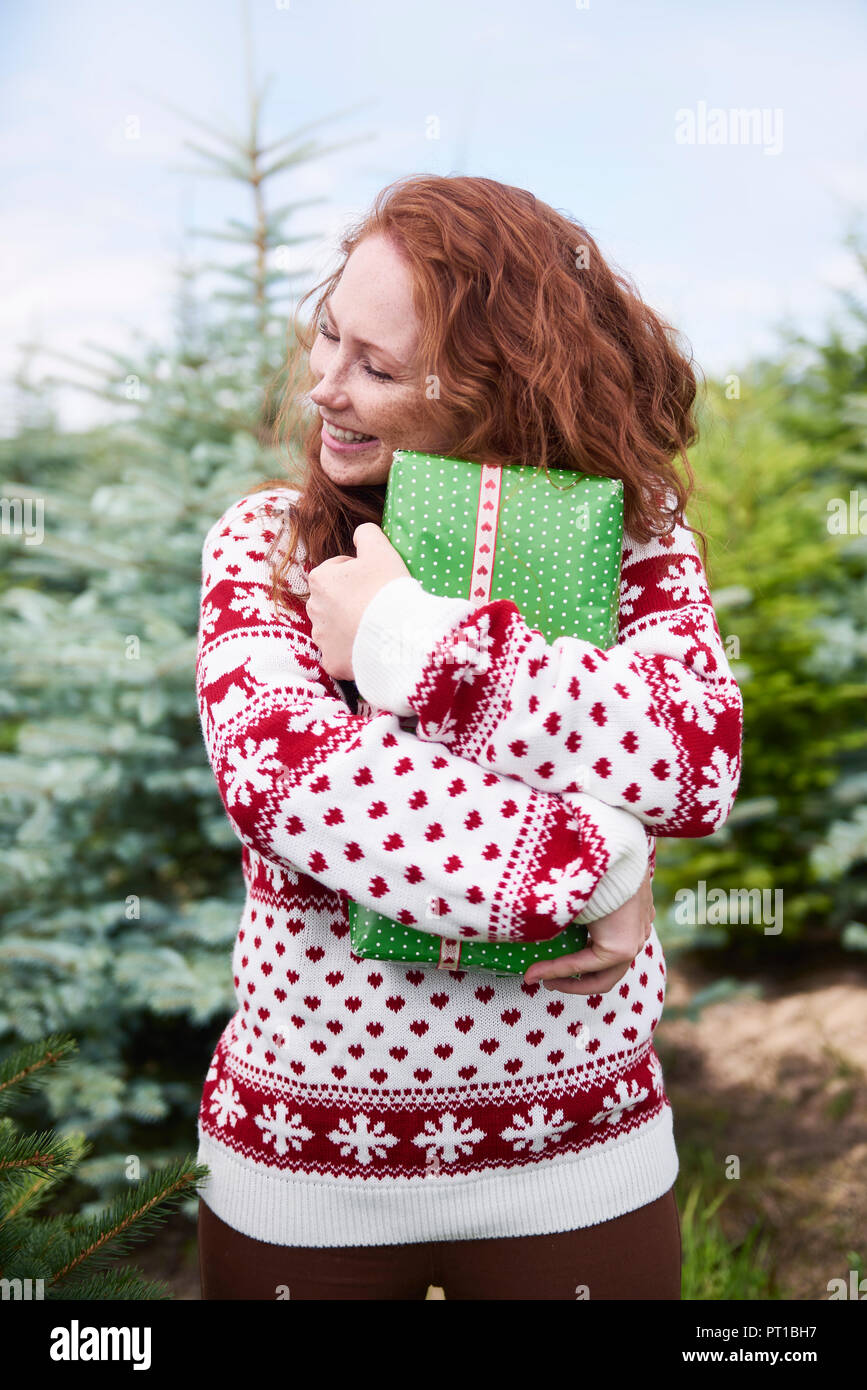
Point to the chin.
(351, 474)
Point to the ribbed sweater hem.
(559, 1195)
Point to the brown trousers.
(635, 1256)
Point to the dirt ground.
(777, 1081)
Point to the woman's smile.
(338, 441)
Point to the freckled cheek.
(398, 421)
(387, 424)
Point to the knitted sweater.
(359, 1102)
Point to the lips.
(351, 428)
(345, 446)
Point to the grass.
(841, 1102)
(839, 1105)
(714, 1268)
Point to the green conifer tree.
(776, 448)
(120, 885)
(67, 1255)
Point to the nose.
(330, 399)
(329, 391)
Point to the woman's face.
(364, 358)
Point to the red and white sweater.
(359, 1102)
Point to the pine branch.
(32, 1194)
(85, 557)
(23, 1070)
(241, 237)
(75, 361)
(69, 506)
(313, 125)
(235, 141)
(277, 214)
(25, 1152)
(110, 1285)
(311, 151)
(132, 1217)
(225, 168)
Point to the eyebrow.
(362, 342)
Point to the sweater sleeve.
(363, 806)
(653, 726)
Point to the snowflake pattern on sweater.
(351, 1076)
(653, 726)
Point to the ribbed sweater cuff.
(628, 845)
(399, 629)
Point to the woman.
(372, 1129)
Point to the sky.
(604, 110)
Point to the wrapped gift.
(549, 541)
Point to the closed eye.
(332, 338)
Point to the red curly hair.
(543, 354)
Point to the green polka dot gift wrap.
(557, 541)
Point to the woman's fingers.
(591, 960)
(595, 978)
(585, 962)
(597, 982)
(564, 967)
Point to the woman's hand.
(613, 942)
(340, 590)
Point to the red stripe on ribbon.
(450, 954)
(487, 518)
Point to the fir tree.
(120, 883)
(69, 1256)
(791, 599)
